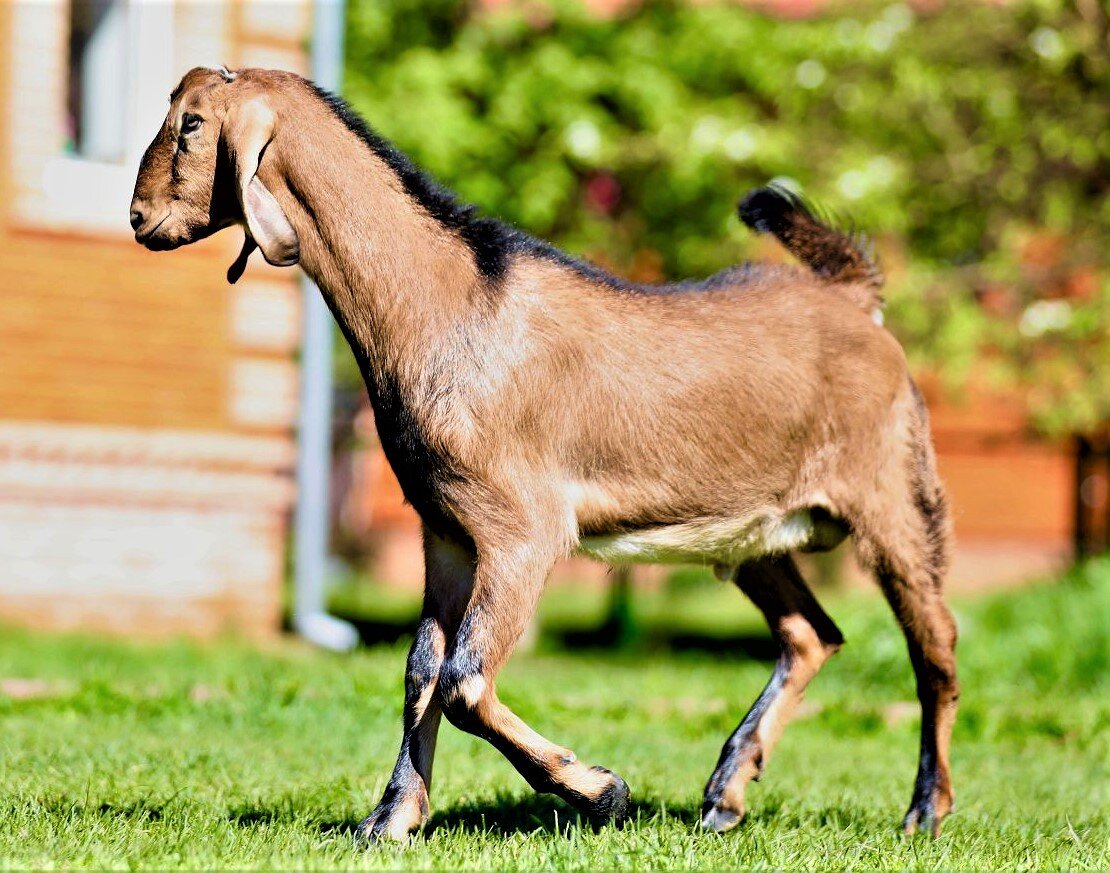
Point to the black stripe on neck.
(490, 241)
(493, 243)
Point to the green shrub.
(972, 141)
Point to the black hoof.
(612, 804)
(392, 822)
(718, 819)
(379, 827)
(924, 816)
(369, 830)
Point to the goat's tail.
(838, 257)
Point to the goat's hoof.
(393, 822)
(718, 819)
(926, 814)
(613, 802)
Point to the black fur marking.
(612, 804)
(423, 664)
(464, 662)
(744, 741)
(425, 471)
(486, 237)
(772, 209)
(738, 274)
(768, 210)
(493, 243)
(744, 744)
(810, 235)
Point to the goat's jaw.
(174, 239)
(162, 244)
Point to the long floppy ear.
(247, 132)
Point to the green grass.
(177, 755)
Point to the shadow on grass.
(606, 637)
(504, 816)
(500, 816)
(543, 814)
(142, 810)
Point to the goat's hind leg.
(910, 575)
(905, 537)
(808, 638)
(931, 638)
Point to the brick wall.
(146, 407)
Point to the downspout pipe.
(310, 524)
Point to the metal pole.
(310, 535)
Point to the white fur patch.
(425, 698)
(587, 497)
(471, 689)
(726, 542)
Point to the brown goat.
(533, 406)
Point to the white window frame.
(65, 191)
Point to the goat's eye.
(190, 123)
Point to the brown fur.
(528, 402)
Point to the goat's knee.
(461, 689)
(807, 649)
(424, 663)
(937, 685)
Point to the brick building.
(146, 407)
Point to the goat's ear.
(247, 131)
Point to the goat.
(532, 406)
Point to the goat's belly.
(722, 542)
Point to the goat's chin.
(163, 243)
(167, 241)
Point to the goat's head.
(200, 174)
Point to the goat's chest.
(422, 459)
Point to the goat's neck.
(399, 283)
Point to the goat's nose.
(137, 219)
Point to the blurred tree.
(974, 139)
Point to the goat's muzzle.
(146, 221)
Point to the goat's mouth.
(148, 239)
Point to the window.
(97, 100)
(89, 81)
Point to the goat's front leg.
(808, 638)
(506, 588)
(449, 577)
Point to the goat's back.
(690, 404)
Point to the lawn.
(121, 754)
